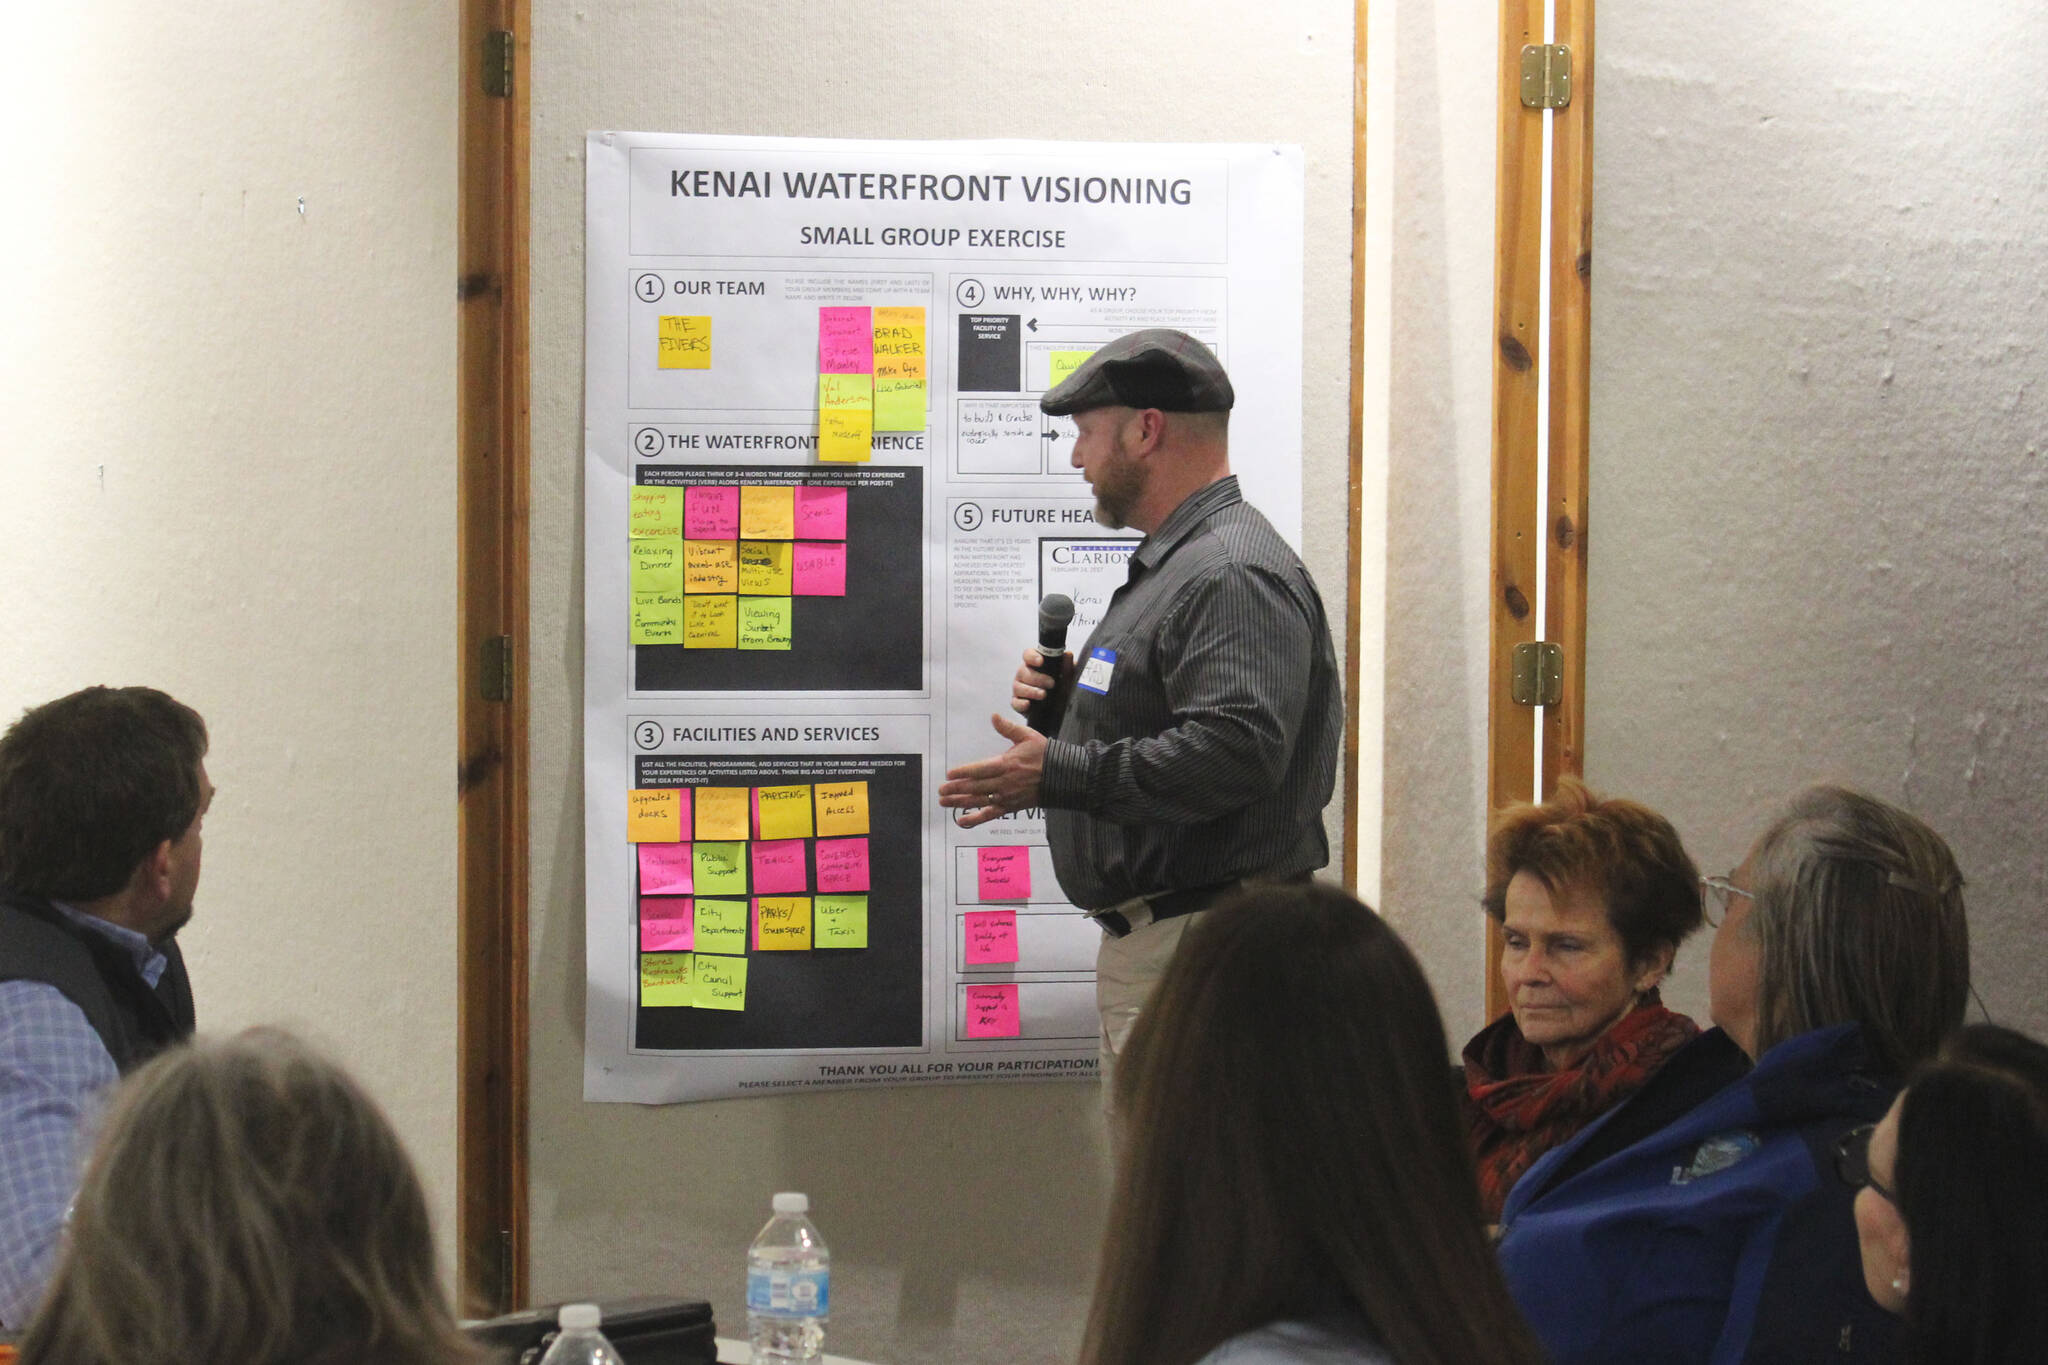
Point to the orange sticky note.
(710, 621)
(722, 812)
(655, 815)
(711, 566)
(767, 513)
(842, 808)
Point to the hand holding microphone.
(1038, 693)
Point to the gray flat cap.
(1156, 368)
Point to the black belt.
(1173, 904)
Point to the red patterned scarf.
(1516, 1111)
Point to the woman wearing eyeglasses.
(1713, 1229)
(1952, 1208)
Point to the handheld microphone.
(1055, 614)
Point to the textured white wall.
(1820, 401)
(963, 1219)
(227, 455)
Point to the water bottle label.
(789, 1293)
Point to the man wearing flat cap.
(1199, 740)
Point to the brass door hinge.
(1537, 677)
(494, 668)
(498, 64)
(1546, 76)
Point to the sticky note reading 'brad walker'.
(685, 343)
(779, 867)
(721, 981)
(820, 514)
(765, 623)
(846, 341)
(991, 936)
(992, 1011)
(899, 404)
(1064, 363)
(711, 512)
(665, 869)
(839, 921)
(817, 568)
(1003, 874)
(722, 812)
(721, 926)
(710, 621)
(719, 869)
(782, 923)
(711, 566)
(665, 979)
(654, 512)
(899, 343)
(768, 513)
(660, 619)
(842, 808)
(655, 815)
(785, 812)
(765, 567)
(667, 924)
(842, 864)
(656, 567)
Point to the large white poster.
(821, 507)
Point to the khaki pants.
(1126, 970)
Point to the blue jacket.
(1722, 1237)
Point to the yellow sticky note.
(765, 623)
(782, 923)
(657, 566)
(654, 815)
(654, 512)
(899, 315)
(721, 926)
(685, 343)
(722, 812)
(842, 808)
(899, 352)
(899, 404)
(710, 622)
(839, 921)
(785, 812)
(658, 619)
(721, 982)
(766, 567)
(711, 566)
(767, 513)
(665, 979)
(846, 435)
(1065, 363)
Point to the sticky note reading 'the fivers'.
(665, 869)
(721, 981)
(665, 980)
(655, 815)
(817, 568)
(719, 868)
(685, 343)
(710, 621)
(839, 921)
(1003, 874)
(711, 566)
(667, 924)
(1064, 363)
(660, 619)
(782, 923)
(722, 812)
(765, 567)
(899, 405)
(721, 926)
(657, 567)
(842, 864)
(767, 513)
(991, 937)
(842, 808)
(654, 512)
(765, 623)
(711, 512)
(784, 812)
(846, 341)
(820, 513)
(779, 867)
(992, 1011)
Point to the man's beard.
(1117, 488)
(175, 918)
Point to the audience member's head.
(1302, 1154)
(246, 1202)
(1847, 910)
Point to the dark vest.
(135, 1022)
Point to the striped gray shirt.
(1212, 750)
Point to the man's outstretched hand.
(993, 787)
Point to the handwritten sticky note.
(779, 867)
(654, 815)
(839, 921)
(842, 808)
(765, 623)
(899, 315)
(654, 512)
(721, 926)
(899, 349)
(685, 343)
(657, 566)
(767, 513)
(711, 512)
(719, 868)
(1064, 363)
(667, 924)
(991, 936)
(721, 981)
(820, 513)
(765, 567)
(710, 621)
(722, 812)
(660, 619)
(785, 812)
(782, 923)
(845, 417)
(842, 864)
(992, 1011)
(818, 569)
(665, 980)
(711, 566)
(665, 869)
(1003, 874)
(846, 341)
(899, 404)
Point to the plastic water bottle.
(579, 1342)
(789, 1286)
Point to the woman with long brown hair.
(1295, 1183)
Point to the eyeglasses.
(1852, 1162)
(1715, 895)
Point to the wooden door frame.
(1355, 563)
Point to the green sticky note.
(721, 982)
(658, 620)
(654, 512)
(1065, 363)
(720, 868)
(657, 566)
(839, 921)
(721, 926)
(764, 623)
(899, 405)
(665, 979)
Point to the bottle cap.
(792, 1203)
(579, 1317)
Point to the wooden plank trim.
(1355, 563)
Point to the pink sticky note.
(668, 924)
(779, 868)
(818, 569)
(711, 512)
(842, 865)
(846, 341)
(666, 869)
(1004, 874)
(992, 1012)
(991, 936)
(820, 513)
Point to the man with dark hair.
(102, 794)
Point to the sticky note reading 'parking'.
(784, 812)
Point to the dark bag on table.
(646, 1331)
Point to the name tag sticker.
(1095, 673)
